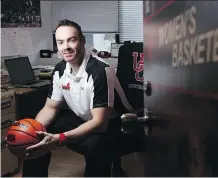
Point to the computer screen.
(20, 70)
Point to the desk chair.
(129, 74)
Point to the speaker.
(117, 38)
(45, 53)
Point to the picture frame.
(20, 14)
(115, 49)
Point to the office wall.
(41, 37)
(92, 16)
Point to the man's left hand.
(48, 143)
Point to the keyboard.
(33, 82)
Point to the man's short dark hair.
(67, 22)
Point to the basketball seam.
(23, 132)
(30, 124)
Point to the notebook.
(22, 75)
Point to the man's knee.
(98, 157)
(98, 146)
(36, 167)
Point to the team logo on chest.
(66, 87)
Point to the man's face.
(69, 44)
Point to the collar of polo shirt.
(81, 72)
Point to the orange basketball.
(22, 134)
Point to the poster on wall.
(20, 13)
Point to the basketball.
(22, 134)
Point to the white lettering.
(193, 47)
(209, 36)
(215, 46)
(180, 55)
(196, 50)
(192, 26)
(176, 28)
(200, 49)
(187, 60)
(161, 39)
(174, 57)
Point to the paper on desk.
(43, 67)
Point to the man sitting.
(88, 85)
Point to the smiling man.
(87, 84)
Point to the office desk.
(29, 101)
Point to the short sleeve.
(103, 88)
(55, 90)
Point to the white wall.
(41, 37)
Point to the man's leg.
(66, 120)
(97, 155)
(36, 167)
(98, 158)
(96, 148)
(98, 151)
